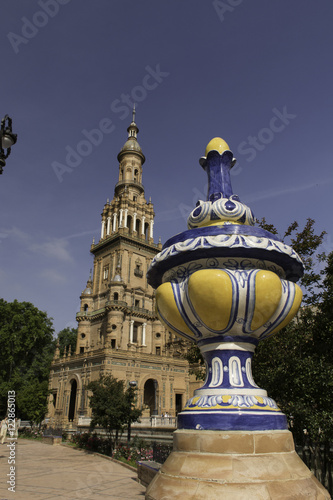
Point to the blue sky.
(259, 74)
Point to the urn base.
(233, 420)
(235, 465)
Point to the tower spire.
(133, 129)
(131, 145)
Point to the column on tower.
(108, 226)
(114, 227)
(131, 330)
(144, 333)
(103, 229)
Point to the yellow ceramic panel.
(221, 223)
(268, 292)
(167, 307)
(210, 292)
(297, 302)
(217, 144)
(172, 330)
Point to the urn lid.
(222, 226)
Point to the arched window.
(85, 307)
(135, 333)
(130, 223)
(72, 401)
(150, 395)
(115, 296)
(146, 230)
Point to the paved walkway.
(46, 472)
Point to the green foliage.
(26, 346)
(196, 362)
(129, 454)
(294, 369)
(24, 333)
(32, 400)
(67, 337)
(295, 366)
(31, 433)
(306, 243)
(91, 442)
(112, 406)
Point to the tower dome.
(132, 145)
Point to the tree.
(112, 406)
(306, 243)
(26, 346)
(67, 337)
(196, 362)
(32, 400)
(295, 366)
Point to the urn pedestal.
(234, 465)
(227, 285)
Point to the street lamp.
(7, 140)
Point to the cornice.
(114, 305)
(135, 242)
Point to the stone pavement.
(46, 472)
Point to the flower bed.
(128, 454)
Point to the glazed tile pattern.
(227, 285)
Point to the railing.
(319, 459)
(139, 309)
(124, 304)
(116, 303)
(136, 183)
(91, 313)
(121, 303)
(157, 421)
(161, 452)
(53, 431)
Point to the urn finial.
(222, 206)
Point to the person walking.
(3, 430)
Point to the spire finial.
(217, 163)
(133, 115)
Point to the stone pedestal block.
(235, 465)
(54, 440)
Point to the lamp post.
(7, 140)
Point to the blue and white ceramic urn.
(226, 284)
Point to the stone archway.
(72, 401)
(150, 395)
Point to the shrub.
(29, 433)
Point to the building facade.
(118, 330)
